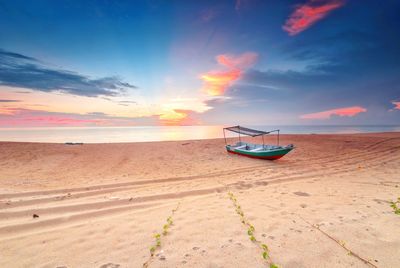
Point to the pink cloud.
(396, 105)
(217, 82)
(28, 117)
(347, 111)
(309, 13)
(243, 61)
(55, 120)
(19, 117)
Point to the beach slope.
(325, 204)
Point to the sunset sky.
(248, 62)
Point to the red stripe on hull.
(258, 157)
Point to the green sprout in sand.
(158, 236)
(395, 206)
(251, 230)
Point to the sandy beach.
(325, 204)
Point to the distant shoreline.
(78, 143)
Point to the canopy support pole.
(225, 137)
(239, 137)
(263, 141)
(278, 137)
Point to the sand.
(325, 204)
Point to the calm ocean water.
(159, 133)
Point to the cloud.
(217, 82)
(19, 117)
(126, 103)
(338, 68)
(21, 71)
(59, 121)
(9, 100)
(179, 117)
(347, 111)
(243, 61)
(396, 105)
(309, 13)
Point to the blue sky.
(199, 62)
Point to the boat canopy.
(246, 131)
(249, 132)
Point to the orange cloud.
(347, 111)
(306, 15)
(396, 105)
(178, 117)
(216, 83)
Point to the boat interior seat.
(257, 149)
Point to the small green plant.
(252, 238)
(395, 206)
(158, 236)
(265, 255)
(157, 244)
(251, 230)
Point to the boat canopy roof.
(247, 131)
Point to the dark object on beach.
(35, 216)
(262, 151)
(110, 265)
(186, 143)
(301, 193)
(74, 143)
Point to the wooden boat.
(261, 151)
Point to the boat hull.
(271, 155)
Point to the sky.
(247, 62)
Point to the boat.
(261, 151)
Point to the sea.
(164, 133)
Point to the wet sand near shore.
(325, 204)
